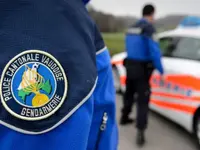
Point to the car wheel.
(197, 127)
(116, 77)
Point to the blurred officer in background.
(52, 53)
(143, 54)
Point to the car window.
(188, 48)
(168, 45)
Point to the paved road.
(162, 135)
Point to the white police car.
(178, 98)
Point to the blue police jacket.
(56, 84)
(140, 45)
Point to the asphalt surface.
(162, 134)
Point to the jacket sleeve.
(148, 31)
(103, 133)
(155, 54)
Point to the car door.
(178, 96)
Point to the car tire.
(197, 127)
(116, 77)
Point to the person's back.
(51, 97)
(137, 41)
(143, 55)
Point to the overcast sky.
(133, 7)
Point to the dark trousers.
(138, 90)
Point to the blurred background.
(113, 17)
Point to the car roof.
(193, 32)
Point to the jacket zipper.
(102, 129)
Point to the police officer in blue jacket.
(56, 84)
(143, 55)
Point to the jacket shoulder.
(147, 28)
